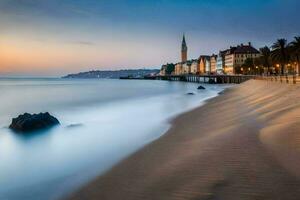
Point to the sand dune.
(243, 144)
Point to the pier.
(219, 79)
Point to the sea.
(102, 121)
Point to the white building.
(213, 64)
(185, 68)
(221, 62)
(194, 67)
(236, 56)
(207, 66)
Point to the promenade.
(227, 79)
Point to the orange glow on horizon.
(18, 55)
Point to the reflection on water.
(102, 121)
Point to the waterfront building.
(178, 68)
(229, 61)
(201, 69)
(194, 66)
(219, 67)
(221, 62)
(186, 67)
(236, 56)
(207, 65)
(213, 64)
(204, 64)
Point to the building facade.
(220, 68)
(178, 68)
(221, 62)
(213, 64)
(185, 68)
(229, 61)
(194, 66)
(201, 66)
(207, 65)
(204, 64)
(236, 56)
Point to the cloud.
(80, 42)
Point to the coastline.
(233, 147)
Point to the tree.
(295, 51)
(265, 58)
(248, 65)
(246, 68)
(170, 67)
(259, 67)
(280, 53)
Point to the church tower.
(183, 50)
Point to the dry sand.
(243, 144)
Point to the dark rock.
(74, 125)
(201, 87)
(190, 93)
(32, 122)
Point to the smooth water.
(102, 122)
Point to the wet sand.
(243, 144)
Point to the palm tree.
(280, 53)
(265, 58)
(295, 51)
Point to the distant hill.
(132, 73)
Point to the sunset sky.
(56, 37)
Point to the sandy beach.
(243, 144)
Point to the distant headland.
(115, 74)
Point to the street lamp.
(256, 70)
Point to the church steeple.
(183, 50)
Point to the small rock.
(74, 125)
(33, 122)
(190, 93)
(201, 87)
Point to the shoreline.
(226, 149)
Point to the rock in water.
(201, 87)
(32, 122)
(74, 125)
(190, 93)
